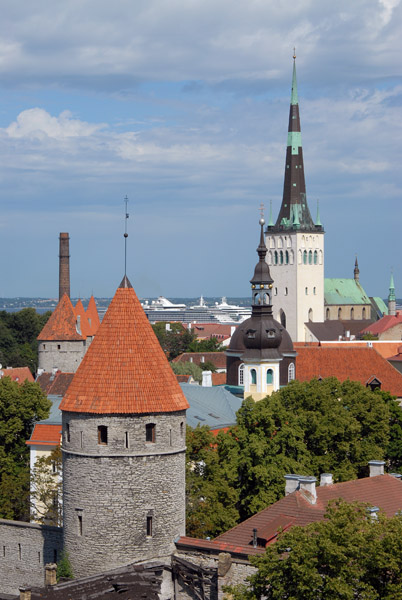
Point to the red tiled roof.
(384, 348)
(217, 358)
(45, 435)
(384, 324)
(356, 364)
(19, 374)
(398, 356)
(183, 378)
(124, 370)
(61, 324)
(55, 384)
(83, 321)
(92, 316)
(384, 491)
(207, 330)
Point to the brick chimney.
(326, 479)
(64, 265)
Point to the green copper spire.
(391, 295)
(270, 222)
(294, 99)
(318, 220)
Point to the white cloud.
(37, 123)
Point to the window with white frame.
(291, 372)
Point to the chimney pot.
(25, 593)
(376, 467)
(326, 479)
(207, 379)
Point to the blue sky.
(183, 106)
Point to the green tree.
(46, 489)
(210, 499)
(346, 557)
(174, 341)
(20, 407)
(64, 568)
(210, 345)
(307, 428)
(187, 368)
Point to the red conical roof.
(92, 316)
(62, 324)
(124, 370)
(84, 324)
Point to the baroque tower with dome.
(261, 357)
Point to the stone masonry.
(124, 500)
(25, 548)
(65, 356)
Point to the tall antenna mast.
(125, 235)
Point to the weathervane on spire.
(126, 215)
(294, 53)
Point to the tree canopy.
(307, 428)
(178, 339)
(349, 556)
(20, 407)
(18, 333)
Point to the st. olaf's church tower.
(295, 243)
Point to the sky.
(182, 105)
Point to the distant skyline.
(183, 106)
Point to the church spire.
(356, 270)
(391, 297)
(261, 283)
(294, 213)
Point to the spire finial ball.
(262, 221)
(294, 53)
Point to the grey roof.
(330, 330)
(213, 406)
(54, 417)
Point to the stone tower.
(295, 243)
(64, 265)
(123, 446)
(391, 297)
(260, 357)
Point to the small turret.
(356, 271)
(391, 297)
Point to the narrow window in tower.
(81, 439)
(253, 374)
(39, 557)
(4, 550)
(276, 291)
(328, 314)
(286, 291)
(19, 552)
(149, 526)
(287, 257)
(68, 436)
(314, 290)
(305, 257)
(102, 435)
(281, 257)
(352, 313)
(310, 257)
(150, 432)
(315, 257)
(58, 346)
(270, 376)
(363, 313)
(44, 346)
(339, 313)
(170, 437)
(126, 440)
(276, 257)
(79, 524)
(182, 429)
(306, 291)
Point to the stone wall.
(230, 570)
(25, 548)
(63, 355)
(124, 498)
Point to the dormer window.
(251, 333)
(270, 333)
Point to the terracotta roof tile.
(384, 491)
(124, 370)
(19, 374)
(354, 363)
(92, 316)
(61, 324)
(47, 435)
